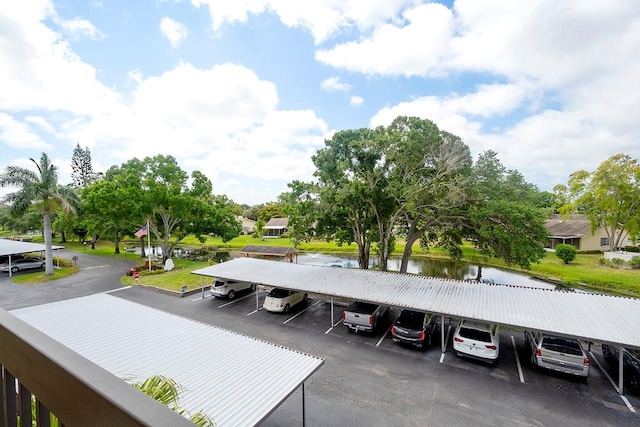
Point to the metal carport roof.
(11, 247)
(235, 379)
(587, 316)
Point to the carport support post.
(257, 300)
(202, 281)
(444, 346)
(304, 418)
(620, 370)
(332, 312)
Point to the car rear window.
(474, 334)
(410, 319)
(562, 345)
(278, 293)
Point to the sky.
(246, 91)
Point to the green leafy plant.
(566, 253)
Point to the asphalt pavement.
(97, 274)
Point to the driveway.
(97, 274)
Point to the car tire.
(14, 269)
(253, 287)
(231, 295)
(286, 308)
(43, 266)
(306, 298)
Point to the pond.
(432, 268)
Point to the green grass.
(40, 277)
(177, 278)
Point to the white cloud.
(323, 19)
(356, 100)
(17, 134)
(416, 48)
(174, 31)
(334, 84)
(81, 27)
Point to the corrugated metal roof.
(10, 247)
(593, 317)
(235, 379)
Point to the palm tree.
(42, 190)
(167, 391)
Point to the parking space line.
(383, 336)
(293, 317)
(254, 311)
(204, 297)
(515, 350)
(236, 300)
(615, 386)
(331, 328)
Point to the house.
(576, 231)
(248, 225)
(276, 227)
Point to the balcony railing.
(40, 377)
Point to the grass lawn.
(177, 278)
(40, 277)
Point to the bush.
(566, 253)
(634, 262)
(631, 249)
(602, 261)
(618, 262)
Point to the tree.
(504, 220)
(609, 197)
(269, 211)
(172, 208)
(42, 192)
(167, 391)
(82, 168)
(566, 253)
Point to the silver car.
(558, 354)
(22, 264)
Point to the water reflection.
(432, 268)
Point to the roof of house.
(235, 379)
(559, 227)
(592, 317)
(245, 220)
(267, 250)
(277, 223)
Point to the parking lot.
(368, 379)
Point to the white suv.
(477, 340)
(229, 288)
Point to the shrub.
(618, 262)
(631, 249)
(603, 261)
(634, 262)
(566, 253)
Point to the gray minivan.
(558, 354)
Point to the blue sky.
(247, 91)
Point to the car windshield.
(562, 345)
(278, 293)
(475, 334)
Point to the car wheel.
(286, 308)
(14, 269)
(42, 266)
(606, 353)
(253, 287)
(533, 358)
(231, 294)
(306, 298)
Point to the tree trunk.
(63, 238)
(412, 236)
(116, 240)
(363, 255)
(94, 240)
(48, 250)
(142, 246)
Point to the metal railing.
(40, 376)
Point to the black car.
(414, 328)
(631, 365)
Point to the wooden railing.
(40, 376)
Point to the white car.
(281, 300)
(229, 288)
(560, 354)
(477, 340)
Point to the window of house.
(604, 241)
